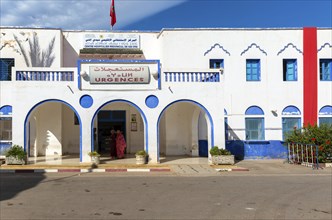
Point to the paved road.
(231, 195)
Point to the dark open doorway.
(106, 121)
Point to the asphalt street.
(225, 195)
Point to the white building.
(170, 92)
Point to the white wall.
(178, 50)
(70, 132)
(10, 48)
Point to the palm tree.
(37, 57)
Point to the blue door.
(202, 136)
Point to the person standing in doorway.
(120, 144)
(113, 144)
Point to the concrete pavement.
(183, 166)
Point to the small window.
(253, 72)
(289, 70)
(325, 69)
(5, 128)
(289, 124)
(216, 63)
(325, 120)
(255, 129)
(6, 65)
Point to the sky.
(154, 15)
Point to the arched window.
(325, 115)
(291, 119)
(5, 128)
(254, 121)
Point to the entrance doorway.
(108, 120)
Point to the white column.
(86, 138)
(152, 138)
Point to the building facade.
(173, 92)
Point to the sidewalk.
(171, 164)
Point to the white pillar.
(152, 138)
(86, 138)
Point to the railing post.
(289, 157)
(317, 161)
(307, 156)
(297, 153)
(302, 154)
(312, 155)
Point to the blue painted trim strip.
(258, 47)
(290, 44)
(214, 46)
(324, 45)
(51, 100)
(79, 74)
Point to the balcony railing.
(192, 76)
(44, 76)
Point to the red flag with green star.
(112, 14)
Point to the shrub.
(16, 151)
(94, 154)
(215, 151)
(141, 153)
(320, 136)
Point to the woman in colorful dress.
(120, 144)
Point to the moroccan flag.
(112, 14)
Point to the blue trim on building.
(326, 110)
(254, 110)
(6, 110)
(272, 149)
(291, 110)
(130, 103)
(189, 101)
(250, 46)
(324, 45)
(51, 100)
(289, 44)
(214, 46)
(151, 101)
(86, 101)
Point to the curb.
(107, 170)
(231, 169)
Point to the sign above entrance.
(111, 41)
(119, 75)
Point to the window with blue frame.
(288, 126)
(325, 69)
(255, 129)
(6, 65)
(216, 63)
(289, 69)
(325, 115)
(253, 70)
(325, 120)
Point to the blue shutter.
(295, 70)
(329, 70)
(259, 69)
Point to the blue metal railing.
(44, 76)
(192, 76)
